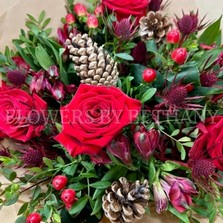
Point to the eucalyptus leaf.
(124, 56)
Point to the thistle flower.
(32, 156)
(208, 79)
(189, 23)
(16, 77)
(124, 29)
(120, 147)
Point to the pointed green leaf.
(211, 33)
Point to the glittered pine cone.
(154, 26)
(125, 201)
(92, 63)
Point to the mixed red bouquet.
(121, 110)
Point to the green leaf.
(79, 205)
(101, 184)
(78, 186)
(152, 171)
(21, 219)
(182, 216)
(45, 23)
(181, 150)
(48, 162)
(32, 18)
(188, 75)
(36, 192)
(12, 200)
(23, 208)
(124, 56)
(169, 166)
(97, 206)
(148, 95)
(56, 218)
(48, 210)
(9, 174)
(151, 46)
(43, 57)
(41, 16)
(211, 33)
(137, 70)
(185, 139)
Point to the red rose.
(21, 115)
(210, 141)
(95, 115)
(125, 8)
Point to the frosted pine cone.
(124, 201)
(154, 25)
(92, 63)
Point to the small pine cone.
(125, 201)
(154, 26)
(92, 63)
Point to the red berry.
(179, 55)
(68, 196)
(92, 22)
(59, 182)
(149, 75)
(189, 87)
(70, 19)
(80, 9)
(173, 36)
(33, 218)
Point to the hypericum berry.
(173, 36)
(189, 87)
(92, 22)
(80, 9)
(70, 19)
(33, 218)
(68, 196)
(149, 75)
(179, 55)
(59, 182)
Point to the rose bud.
(70, 19)
(146, 142)
(99, 10)
(120, 147)
(179, 55)
(53, 71)
(161, 200)
(80, 9)
(92, 22)
(173, 36)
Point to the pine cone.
(154, 25)
(92, 63)
(124, 201)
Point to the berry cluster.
(68, 196)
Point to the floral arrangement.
(123, 109)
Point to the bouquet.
(123, 109)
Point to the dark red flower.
(95, 115)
